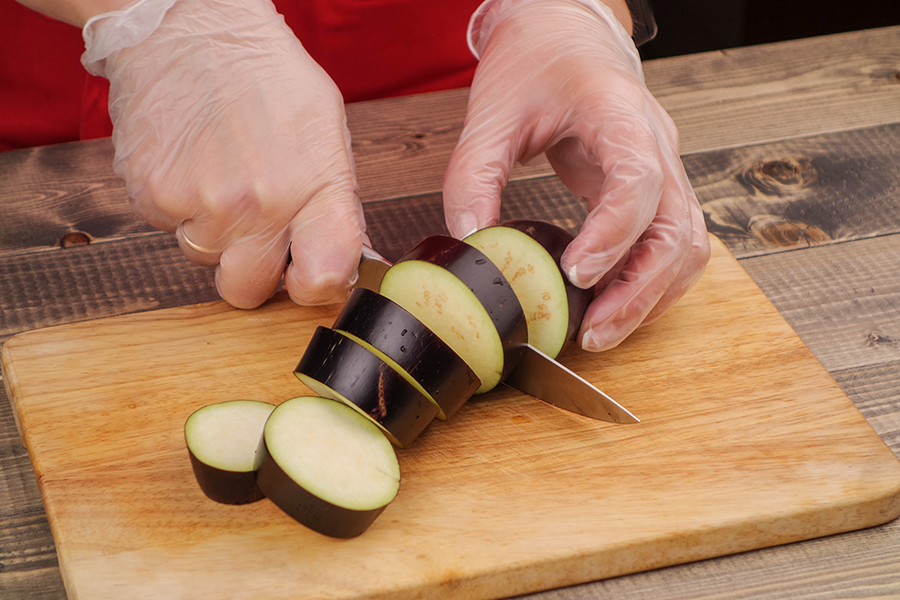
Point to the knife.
(537, 375)
(544, 378)
(372, 267)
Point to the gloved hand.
(227, 133)
(562, 77)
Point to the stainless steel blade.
(540, 376)
(372, 267)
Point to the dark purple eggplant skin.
(405, 339)
(488, 284)
(555, 240)
(379, 391)
(307, 508)
(226, 487)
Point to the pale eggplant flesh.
(223, 444)
(327, 466)
(553, 305)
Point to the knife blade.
(372, 267)
(546, 379)
(537, 375)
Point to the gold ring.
(195, 247)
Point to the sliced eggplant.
(223, 443)
(528, 253)
(336, 366)
(327, 466)
(461, 296)
(405, 343)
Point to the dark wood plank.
(28, 564)
(875, 390)
(801, 192)
(760, 94)
(38, 584)
(54, 191)
(842, 300)
(98, 280)
(401, 145)
(758, 199)
(718, 100)
(859, 564)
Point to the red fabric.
(371, 48)
(41, 78)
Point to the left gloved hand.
(562, 77)
(229, 134)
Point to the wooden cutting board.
(745, 441)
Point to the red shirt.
(371, 48)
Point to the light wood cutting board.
(745, 441)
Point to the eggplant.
(458, 293)
(405, 343)
(327, 466)
(336, 366)
(223, 443)
(529, 255)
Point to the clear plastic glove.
(228, 134)
(562, 77)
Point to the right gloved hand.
(562, 77)
(228, 134)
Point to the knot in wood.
(781, 176)
(74, 238)
(876, 339)
(782, 233)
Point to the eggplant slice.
(223, 443)
(327, 466)
(528, 253)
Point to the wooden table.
(793, 148)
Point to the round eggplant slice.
(405, 343)
(327, 466)
(337, 367)
(529, 254)
(223, 442)
(461, 296)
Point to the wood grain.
(718, 100)
(774, 92)
(97, 280)
(28, 562)
(799, 193)
(510, 496)
(855, 322)
(54, 191)
(853, 565)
